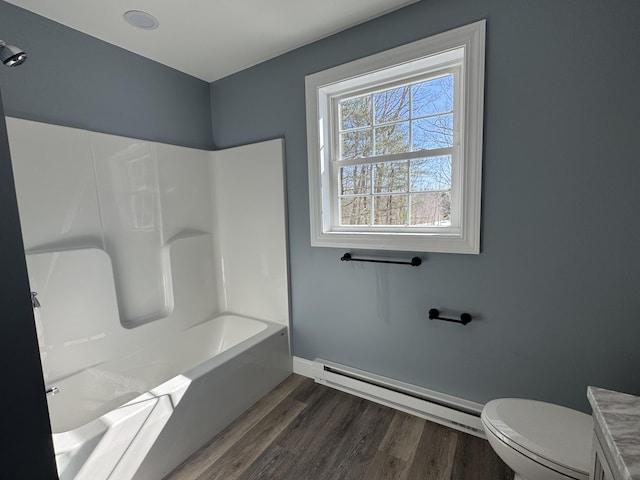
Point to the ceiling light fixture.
(142, 20)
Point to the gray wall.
(76, 80)
(27, 450)
(554, 292)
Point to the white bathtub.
(140, 416)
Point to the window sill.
(419, 242)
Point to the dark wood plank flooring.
(305, 431)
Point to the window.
(395, 147)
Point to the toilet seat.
(557, 437)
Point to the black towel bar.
(434, 314)
(415, 261)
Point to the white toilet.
(538, 440)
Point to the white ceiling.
(211, 39)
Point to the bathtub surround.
(166, 231)
(138, 347)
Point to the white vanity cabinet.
(616, 438)
(600, 469)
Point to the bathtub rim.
(234, 351)
(192, 373)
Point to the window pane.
(392, 139)
(433, 173)
(433, 132)
(390, 210)
(355, 211)
(356, 112)
(357, 144)
(433, 96)
(431, 209)
(355, 180)
(392, 105)
(390, 177)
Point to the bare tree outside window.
(417, 117)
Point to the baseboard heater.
(437, 407)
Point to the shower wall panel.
(250, 213)
(56, 184)
(118, 237)
(129, 198)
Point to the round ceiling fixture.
(141, 19)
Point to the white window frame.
(439, 53)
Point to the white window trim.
(322, 86)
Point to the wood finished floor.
(305, 431)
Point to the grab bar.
(415, 261)
(434, 314)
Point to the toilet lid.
(558, 434)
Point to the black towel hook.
(434, 314)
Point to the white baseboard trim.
(447, 410)
(303, 367)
